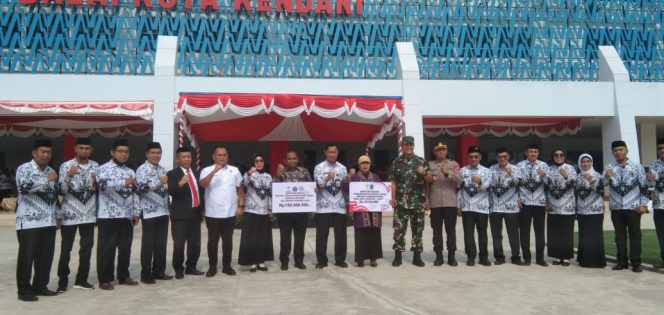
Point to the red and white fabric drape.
(542, 127)
(80, 119)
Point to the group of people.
(116, 198)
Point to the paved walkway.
(505, 289)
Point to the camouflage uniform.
(410, 197)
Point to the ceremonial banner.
(370, 197)
(293, 197)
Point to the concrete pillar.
(163, 128)
(408, 72)
(648, 142)
(622, 126)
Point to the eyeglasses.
(559, 154)
(502, 157)
(258, 161)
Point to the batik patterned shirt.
(560, 191)
(258, 199)
(115, 200)
(330, 197)
(657, 168)
(627, 187)
(153, 195)
(79, 202)
(531, 185)
(504, 189)
(37, 197)
(589, 196)
(475, 197)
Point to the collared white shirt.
(79, 203)
(560, 191)
(153, 195)
(221, 195)
(473, 197)
(115, 200)
(36, 197)
(504, 190)
(627, 186)
(330, 197)
(531, 185)
(657, 168)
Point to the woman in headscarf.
(590, 213)
(256, 238)
(367, 224)
(560, 181)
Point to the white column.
(623, 124)
(648, 137)
(409, 74)
(163, 130)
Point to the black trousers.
(295, 223)
(512, 225)
(87, 239)
(35, 248)
(220, 228)
(113, 234)
(323, 223)
(537, 216)
(448, 217)
(627, 222)
(658, 217)
(186, 232)
(471, 221)
(153, 247)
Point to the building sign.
(327, 7)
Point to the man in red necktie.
(186, 214)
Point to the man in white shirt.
(330, 207)
(224, 199)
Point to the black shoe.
(637, 268)
(194, 272)
(253, 268)
(470, 262)
(300, 265)
(517, 262)
(163, 277)
(83, 285)
(439, 260)
(228, 270)
(499, 262)
(212, 271)
(452, 262)
(45, 292)
(28, 297)
(148, 280)
(557, 262)
(417, 260)
(284, 267)
(542, 263)
(320, 265)
(262, 267)
(526, 263)
(128, 282)
(62, 288)
(486, 262)
(619, 267)
(397, 259)
(564, 263)
(360, 264)
(179, 275)
(342, 264)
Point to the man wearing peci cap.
(474, 206)
(627, 184)
(407, 175)
(442, 196)
(78, 187)
(151, 181)
(35, 222)
(118, 214)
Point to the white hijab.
(592, 169)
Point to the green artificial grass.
(649, 245)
